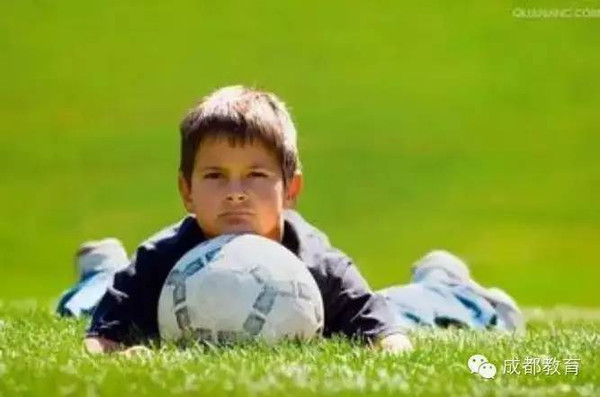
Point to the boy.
(239, 172)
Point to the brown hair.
(241, 115)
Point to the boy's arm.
(111, 321)
(120, 319)
(353, 309)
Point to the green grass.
(41, 354)
(421, 126)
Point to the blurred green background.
(451, 126)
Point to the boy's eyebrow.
(211, 168)
(217, 168)
(258, 165)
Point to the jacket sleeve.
(123, 314)
(351, 308)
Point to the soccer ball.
(239, 287)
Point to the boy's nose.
(236, 192)
(237, 197)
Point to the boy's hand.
(135, 351)
(102, 345)
(98, 345)
(394, 343)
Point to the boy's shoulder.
(174, 233)
(170, 243)
(306, 232)
(314, 248)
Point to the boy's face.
(236, 189)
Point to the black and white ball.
(239, 287)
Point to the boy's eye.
(258, 174)
(212, 175)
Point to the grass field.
(452, 125)
(41, 354)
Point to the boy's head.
(239, 165)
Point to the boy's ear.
(185, 191)
(293, 190)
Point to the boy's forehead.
(218, 152)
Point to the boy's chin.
(238, 229)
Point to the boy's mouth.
(237, 220)
(240, 213)
(236, 217)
